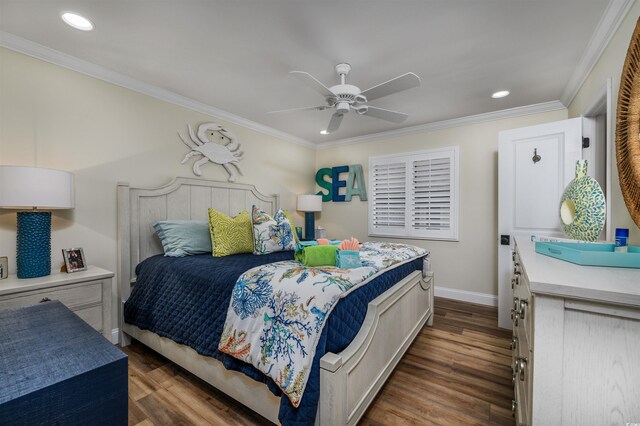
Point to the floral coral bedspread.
(277, 311)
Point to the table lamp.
(36, 189)
(309, 204)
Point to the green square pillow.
(230, 235)
(271, 234)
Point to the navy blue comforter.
(186, 300)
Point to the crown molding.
(455, 122)
(613, 16)
(38, 51)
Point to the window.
(414, 195)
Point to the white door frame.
(603, 100)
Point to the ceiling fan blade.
(334, 124)
(385, 114)
(313, 83)
(319, 108)
(398, 84)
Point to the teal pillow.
(184, 237)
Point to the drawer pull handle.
(514, 405)
(521, 365)
(515, 313)
(45, 299)
(555, 251)
(523, 306)
(514, 343)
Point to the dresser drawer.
(522, 293)
(73, 296)
(92, 316)
(521, 408)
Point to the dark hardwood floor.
(456, 372)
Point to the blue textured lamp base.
(309, 226)
(33, 255)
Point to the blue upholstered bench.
(56, 369)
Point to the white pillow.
(271, 234)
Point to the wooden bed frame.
(349, 380)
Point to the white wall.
(610, 65)
(471, 263)
(53, 117)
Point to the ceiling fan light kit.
(345, 97)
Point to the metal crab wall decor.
(226, 155)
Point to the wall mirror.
(628, 128)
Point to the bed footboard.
(351, 379)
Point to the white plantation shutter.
(414, 195)
(388, 208)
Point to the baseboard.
(115, 336)
(466, 296)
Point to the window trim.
(407, 232)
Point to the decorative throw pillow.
(230, 235)
(271, 234)
(293, 226)
(183, 237)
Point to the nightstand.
(87, 293)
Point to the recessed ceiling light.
(324, 132)
(76, 21)
(500, 94)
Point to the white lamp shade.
(28, 187)
(309, 203)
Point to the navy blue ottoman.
(55, 369)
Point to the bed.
(349, 379)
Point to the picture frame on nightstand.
(4, 267)
(74, 259)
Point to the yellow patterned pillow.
(230, 235)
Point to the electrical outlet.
(4, 267)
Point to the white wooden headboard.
(182, 199)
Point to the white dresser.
(576, 342)
(87, 293)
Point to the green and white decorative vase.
(582, 206)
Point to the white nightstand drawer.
(87, 293)
(92, 316)
(72, 296)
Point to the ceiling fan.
(346, 97)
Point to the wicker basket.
(628, 128)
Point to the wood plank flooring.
(456, 372)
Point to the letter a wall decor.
(329, 180)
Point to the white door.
(535, 164)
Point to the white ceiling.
(235, 55)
